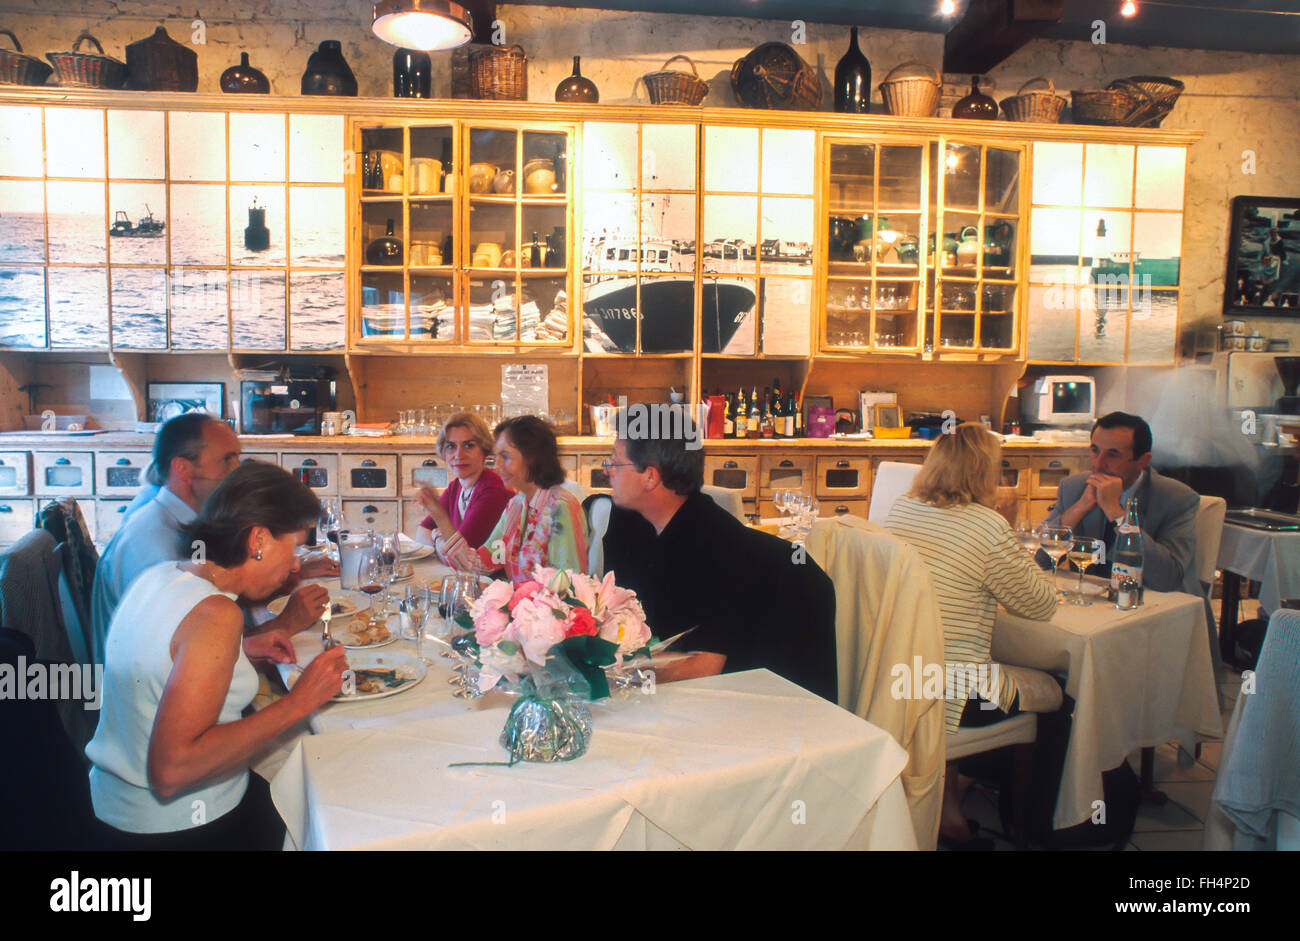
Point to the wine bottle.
(798, 416)
(853, 80)
(742, 415)
(765, 426)
(778, 412)
(755, 415)
(728, 420)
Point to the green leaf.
(508, 647)
(465, 621)
(589, 656)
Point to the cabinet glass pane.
(136, 143)
(900, 178)
(896, 244)
(852, 178)
(730, 231)
(383, 305)
(77, 229)
(257, 144)
(492, 234)
(786, 230)
(316, 148)
(957, 331)
(1058, 174)
(138, 229)
(140, 308)
(609, 233)
(492, 306)
(668, 313)
(1160, 172)
(317, 225)
(961, 176)
(609, 310)
(1157, 245)
(961, 239)
(1103, 318)
(188, 162)
(198, 224)
(431, 159)
(848, 313)
(22, 223)
(375, 219)
(544, 228)
(490, 152)
(257, 225)
(788, 164)
(1055, 243)
(22, 307)
(433, 310)
(74, 142)
(318, 312)
(609, 156)
(1051, 318)
(257, 310)
(785, 304)
(1155, 322)
(997, 322)
(78, 308)
(19, 127)
(431, 234)
(545, 171)
(198, 309)
(1108, 175)
(382, 161)
(1002, 181)
(895, 304)
(544, 313)
(667, 232)
(668, 156)
(731, 159)
(1000, 247)
(727, 322)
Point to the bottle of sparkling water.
(1127, 557)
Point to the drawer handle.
(368, 463)
(309, 462)
(121, 509)
(429, 462)
(63, 460)
(6, 508)
(841, 509)
(122, 462)
(786, 463)
(729, 465)
(1006, 463)
(841, 463)
(1053, 463)
(370, 509)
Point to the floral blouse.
(549, 530)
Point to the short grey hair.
(181, 436)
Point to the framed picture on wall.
(169, 399)
(1263, 258)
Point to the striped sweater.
(975, 563)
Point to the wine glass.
(372, 581)
(1055, 541)
(416, 605)
(1084, 551)
(1028, 536)
(331, 521)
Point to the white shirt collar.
(177, 507)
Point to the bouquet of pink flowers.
(559, 626)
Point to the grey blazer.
(1167, 511)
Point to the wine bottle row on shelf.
(771, 415)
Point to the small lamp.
(422, 24)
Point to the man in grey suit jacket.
(1093, 504)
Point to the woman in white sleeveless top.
(170, 756)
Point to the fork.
(326, 641)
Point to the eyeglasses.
(606, 465)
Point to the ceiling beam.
(991, 30)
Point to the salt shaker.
(1129, 594)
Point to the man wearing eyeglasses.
(752, 599)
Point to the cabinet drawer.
(1046, 473)
(108, 518)
(423, 470)
(1015, 474)
(734, 472)
(591, 476)
(63, 474)
(412, 516)
(120, 473)
(843, 477)
(368, 475)
(1039, 509)
(379, 515)
(15, 473)
(320, 472)
(827, 509)
(17, 518)
(784, 473)
(87, 508)
(268, 457)
(570, 464)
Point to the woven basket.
(1034, 106)
(83, 70)
(775, 76)
(1156, 94)
(669, 87)
(1111, 106)
(19, 69)
(498, 73)
(913, 96)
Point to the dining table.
(736, 761)
(1140, 677)
(1269, 557)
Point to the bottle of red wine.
(853, 80)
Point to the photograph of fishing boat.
(1263, 257)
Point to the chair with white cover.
(597, 507)
(1209, 533)
(892, 480)
(726, 498)
(1256, 801)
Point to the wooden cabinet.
(16, 519)
(592, 477)
(827, 509)
(784, 472)
(15, 473)
(120, 474)
(109, 515)
(320, 472)
(734, 472)
(368, 475)
(839, 477)
(63, 474)
(1046, 473)
(423, 470)
(379, 515)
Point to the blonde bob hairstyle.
(476, 426)
(962, 467)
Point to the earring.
(257, 556)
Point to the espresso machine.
(1288, 368)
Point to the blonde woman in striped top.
(949, 517)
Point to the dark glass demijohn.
(577, 87)
(386, 250)
(412, 71)
(244, 79)
(853, 80)
(328, 72)
(976, 106)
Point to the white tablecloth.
(741, 761)
(1139, 678)
(1272, 559)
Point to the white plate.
(407, 666)
(411, 550)
(353, 602)
(345, 634)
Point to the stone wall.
(1240, 101)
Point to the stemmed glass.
(372, 581)
(331, 521)
(416, 606)
(1028, 536)
(1055, 541)
(1084, 551)
(389, 553)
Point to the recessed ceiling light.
(422, 24)
(1128, 8)
(948, 7)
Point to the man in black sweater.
(754, 600)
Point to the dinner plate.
(410, 669)
(352, 602)
(413, 551)
(348, 637)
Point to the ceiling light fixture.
(1128, 8)
(422, 24)
(948, 7)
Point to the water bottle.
(1126, 560)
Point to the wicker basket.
(19, 69)
(1036, 106)
(670, 87)
(1111, 106)
(912, 95)
(1156, 94)
(83, 70)
(774, 76)
(498, 73)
